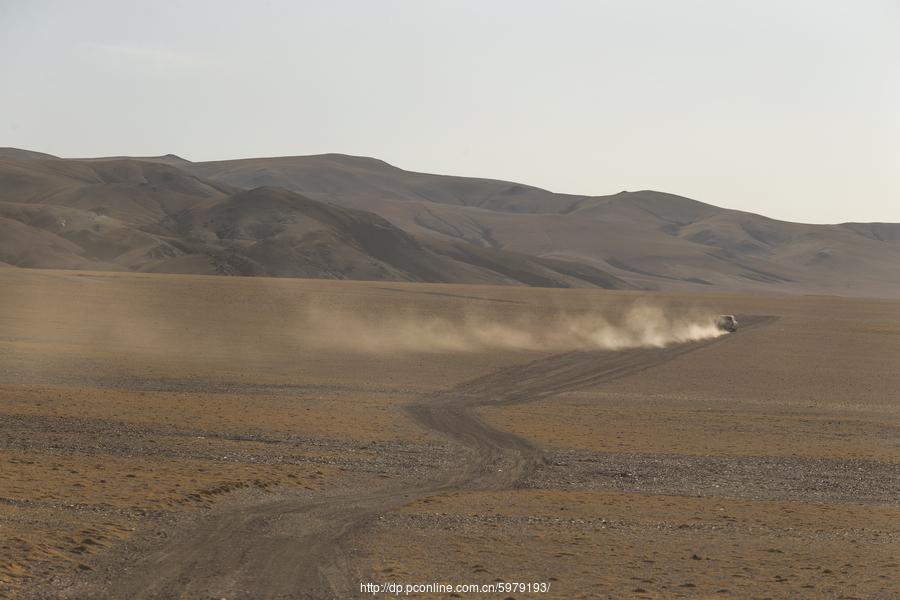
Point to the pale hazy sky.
(786, 108)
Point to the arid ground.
(176, 436)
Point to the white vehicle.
(727, 323)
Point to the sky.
(784, 108)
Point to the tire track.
(293, 548)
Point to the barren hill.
(146, 215)
(338, 216)
(651, 239)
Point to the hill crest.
(341, 216)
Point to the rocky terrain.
(159, 440)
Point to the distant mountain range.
(344, 217)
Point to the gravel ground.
(743, 477)
(63, 435)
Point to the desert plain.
(179, 436)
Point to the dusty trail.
(294, 548)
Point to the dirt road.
(299, 548)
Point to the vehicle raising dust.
(727, 323)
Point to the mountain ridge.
(442, 227)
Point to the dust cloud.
(639, 326)
(71, 327)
